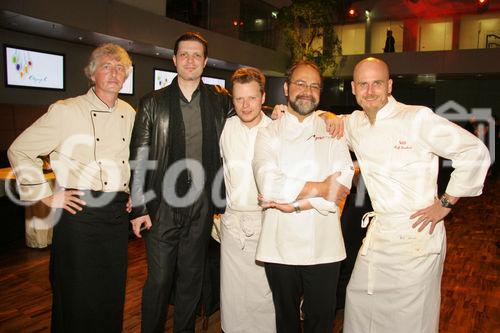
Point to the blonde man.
(246, 300)
(87, 139)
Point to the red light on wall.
(237, 23)
(351, 12)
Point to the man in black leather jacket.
(175, 158)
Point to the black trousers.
(317, 284)
(176, 254)
(88, 267)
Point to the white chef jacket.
(237, 149)
(398, 156)
(246, 299)
(395, 284)
(289, 153)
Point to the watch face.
(445, 202)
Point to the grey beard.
(301, 107)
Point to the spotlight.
(482, 5)
(352, 12)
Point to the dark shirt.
(191, 114)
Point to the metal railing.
(492, 44)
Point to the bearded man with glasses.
(302, 173)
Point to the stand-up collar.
(294, 120)
(388, 110)
(97, 103)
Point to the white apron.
(395, 284)
(246, 299)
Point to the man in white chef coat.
(395, 285)
(246, 300)
(302, 173)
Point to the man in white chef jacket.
(395, 285)
(302, 173)
(246, 300)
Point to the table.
(39, 218)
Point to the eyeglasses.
(302, 85)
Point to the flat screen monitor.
(34, 69)
(128, 85)
(214, 80)
(163, 78)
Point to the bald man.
(395, 284)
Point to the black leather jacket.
(151, 132)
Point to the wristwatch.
(296, 207)
(445, 202)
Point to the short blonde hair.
(108, 49)
(249, 74)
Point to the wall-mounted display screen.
(213, 80)
(163, 78)
(128, 85)
(34, 69)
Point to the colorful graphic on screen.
(163, 78)
(22, 61)
(34, 69)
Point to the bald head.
(371, 64)
(371, 85)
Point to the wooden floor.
(470, 287)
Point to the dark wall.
(470, 91)
(274, 91)
(76, 57)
